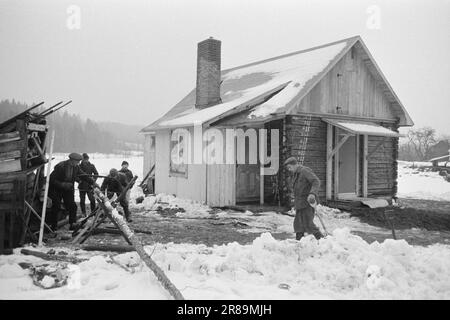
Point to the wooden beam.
(336, 166)
(37, 216)
(339, 145)
(137, 244)
(357, 165)
(115, 248)
(36, 127)
(38, 146)
(365, 165)
(8, 137)
(329, 160)
(50, 257)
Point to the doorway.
(348, 166)
(248, 177)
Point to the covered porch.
(348, 156)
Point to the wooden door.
(247, 179)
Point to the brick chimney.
(208, 73)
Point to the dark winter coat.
(89, 169)
(305, 182)
(114, 184)
(127, 173)
(64, 174)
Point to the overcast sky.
(130, 61)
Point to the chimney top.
(208, 73)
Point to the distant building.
(334, 110)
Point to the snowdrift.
(342, 266)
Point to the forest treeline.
(74, 134)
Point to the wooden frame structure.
(22, 159)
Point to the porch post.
(365, 165)
(329, 160)
(336, 165)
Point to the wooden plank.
(10, 155)
(21, 127)
(50, 257)
(12, 146)
(36, 127)
(8, 137)
(10, 166)
(339, 145)
(6, 186)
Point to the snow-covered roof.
(356, 127)
(267, 87)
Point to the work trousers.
(58, 197)
(304, 222)
(123, 203)
(90, 195)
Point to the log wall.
(382, 166)
(304, 137)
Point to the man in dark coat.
(129, 175)
(305, 187)
(61, 187)
(86, 188)
(114, 183)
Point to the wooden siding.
(193, 187)
(221, 184)
(350, 86)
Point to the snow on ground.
(105, 162)
(421, 184)
(342, 266)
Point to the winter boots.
(317, 235)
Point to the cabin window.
(178, 155)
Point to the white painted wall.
(193, 187)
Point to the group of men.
(305, 186)
(62, 187)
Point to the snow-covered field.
(340, 266)
(421, 184)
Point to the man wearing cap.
(129, 175)
(305, 188)
(61, 188)
(84, 187)
(114, 183)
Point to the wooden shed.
(330, 105)
(22, 159)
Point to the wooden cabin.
(332, 108)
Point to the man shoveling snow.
(305, 187)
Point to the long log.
(137, 244)
(119, 249)
(56, 257)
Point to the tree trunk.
(118, 220)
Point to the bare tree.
(421, 141)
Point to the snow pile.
(342, 266)
(428, 185)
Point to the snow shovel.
(314, 206)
